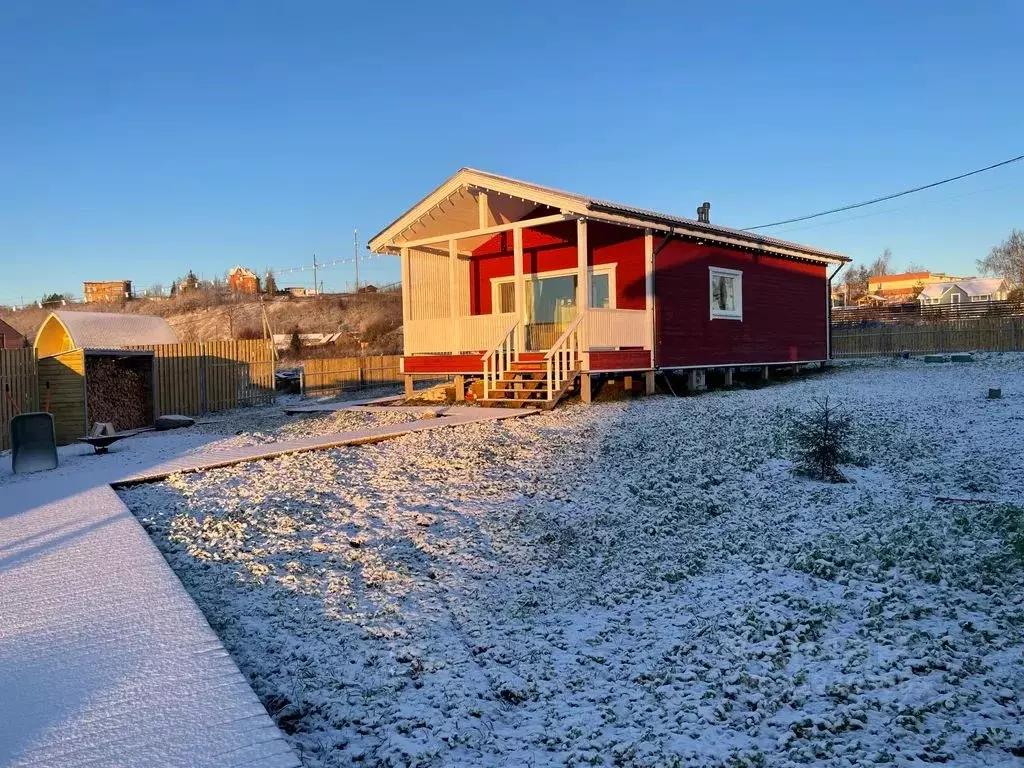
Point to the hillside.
(373, 318)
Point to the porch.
(529, 305)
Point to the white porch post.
(483, 209)
(649, 290)
(406, 299)
(453, 304)
(520, 287)
(582, 290)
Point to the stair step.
(524, 376)
(540, 368)
(510, 402)
(530, 385)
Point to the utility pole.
(314, 276)
(355, 254)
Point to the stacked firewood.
(120, 391)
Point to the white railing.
(562, 360)
(613, 328)
(500, 357)
(605, 329)
(426, 336)
(470, 333)
(478, 332)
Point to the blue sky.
(139, 140)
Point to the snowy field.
(635, 584)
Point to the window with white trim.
(726, 293)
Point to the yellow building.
(905, 285)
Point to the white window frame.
(725, 314)
(598, 269)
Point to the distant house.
(9, 337)
(242, 280)
(284, 340)
(63, 331)
(110, 290)
(298, 291)
(965, 291)
(188, 283)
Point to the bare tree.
(1006, 259)
(880, 266)
(916, 267)
(855, 279)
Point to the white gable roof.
(456, 197)
(982, 286)
(935, 290)
(111, 330)
(979, 286)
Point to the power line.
(887, 197)
(942, 202)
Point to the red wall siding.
(784, 316)
(620, 360)
(553, 248)
(444, 364)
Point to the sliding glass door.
(550, 304)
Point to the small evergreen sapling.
(819, 441)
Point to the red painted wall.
(784, 316)
(620, 360)
(444, 364)
(554, 248)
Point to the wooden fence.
(993, 334)
(335, 374)
(197, 378)
(19, 383)
(913, 313)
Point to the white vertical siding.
(428, 285)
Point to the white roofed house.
(965, 291)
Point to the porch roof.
(458, 200)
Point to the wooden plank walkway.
(104, 658)
(215, 459)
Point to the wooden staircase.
(525, 384)
(514, 379)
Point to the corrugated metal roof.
(110, 330)
(596, 204)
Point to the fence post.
(201, 357)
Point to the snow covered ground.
(82, 467)
(642, 583)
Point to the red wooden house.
(532, 289)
